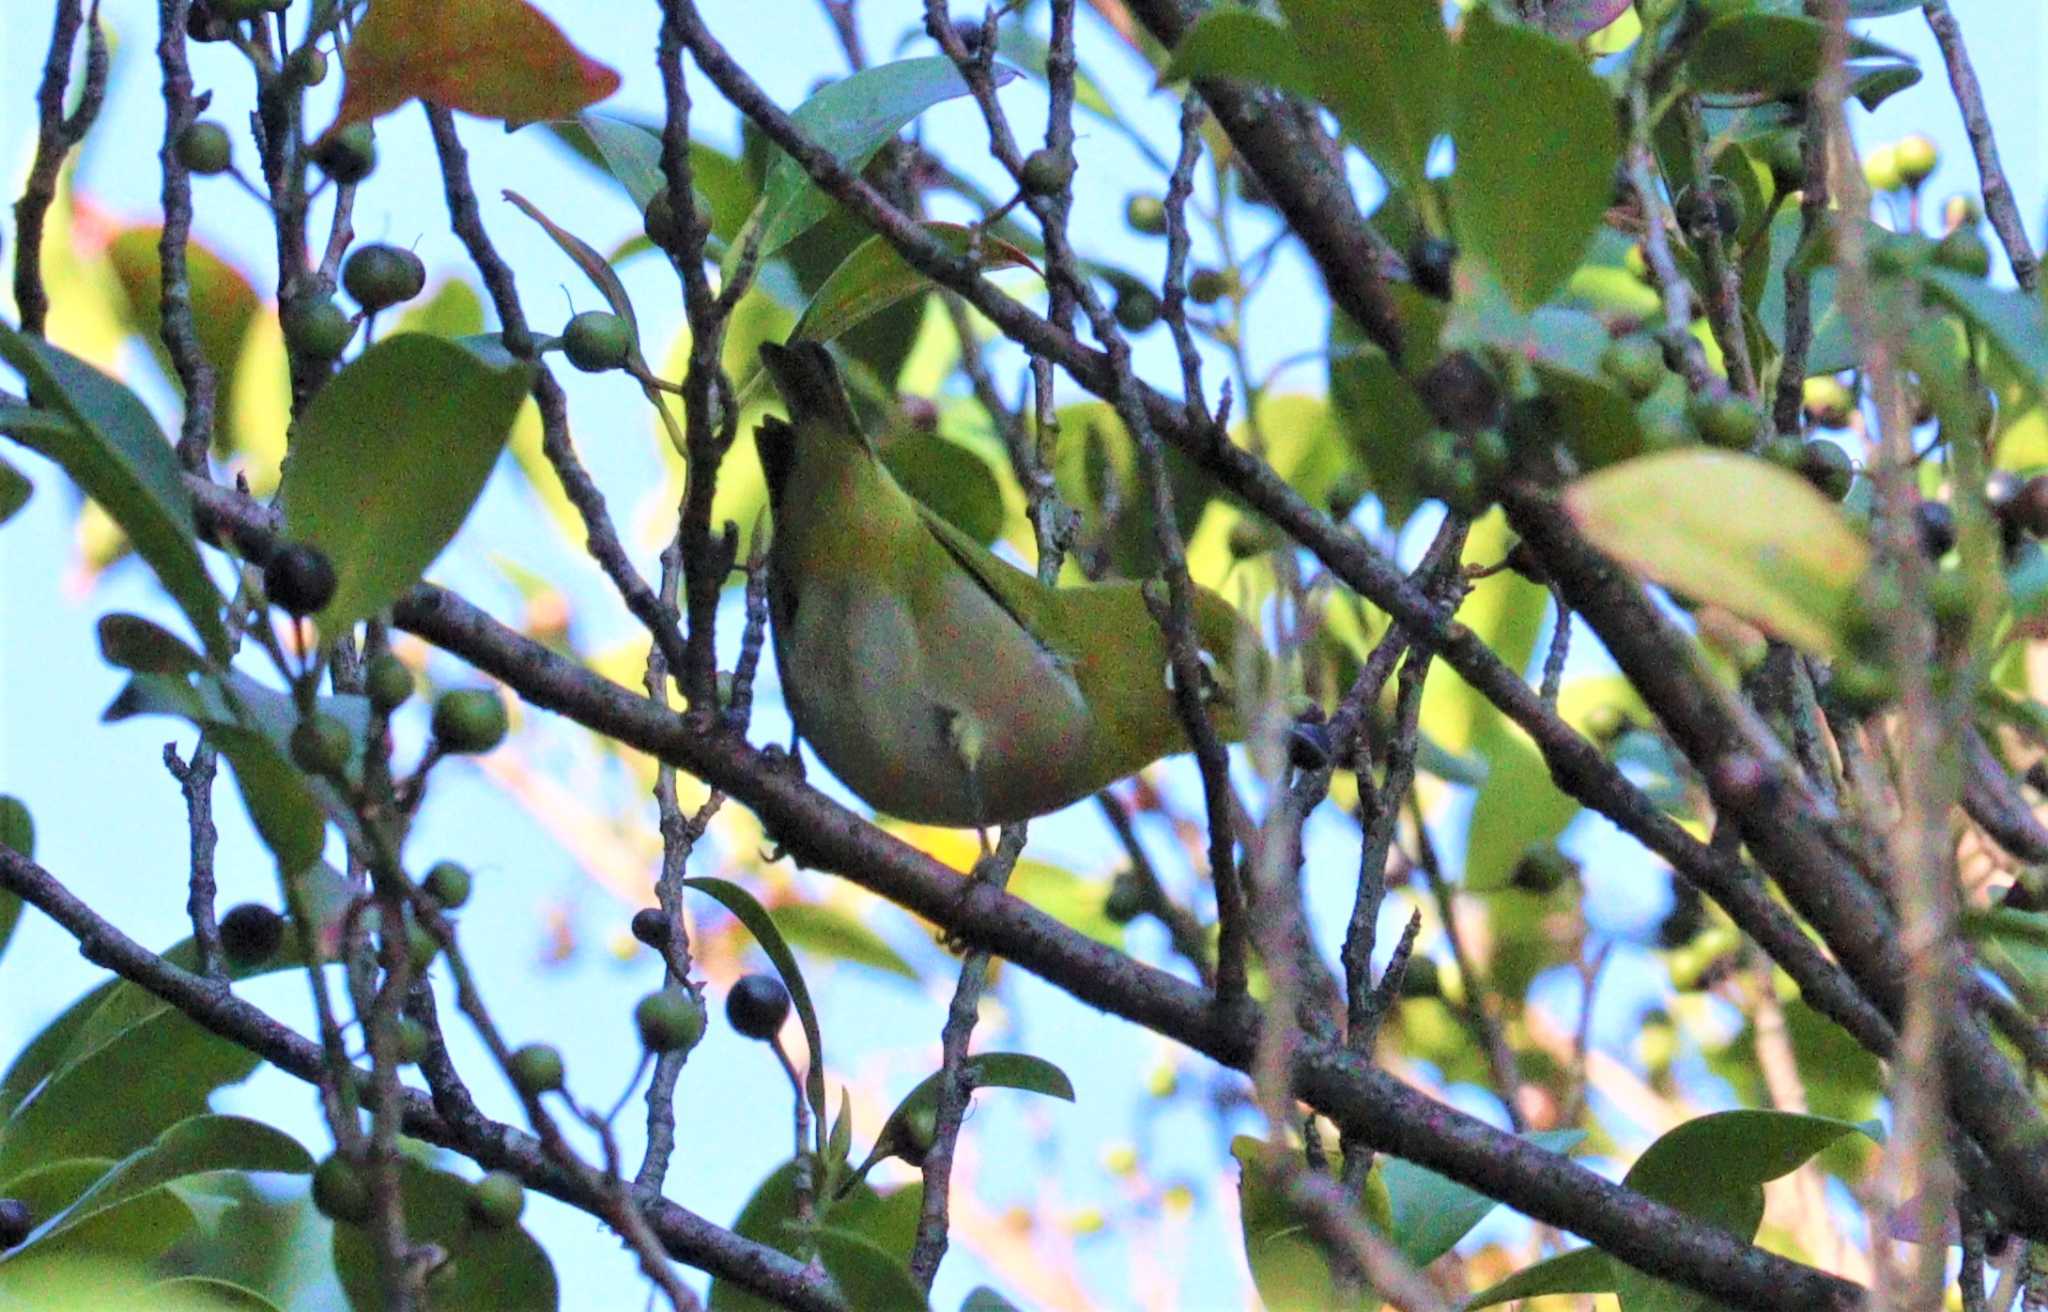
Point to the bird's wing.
(1020, 595)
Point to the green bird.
(940, 683)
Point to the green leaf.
(761, 925)
(134, 1066)
(1289, 1269)
(1790, 563)
(988, 1070)
(1581, 1271)
(874, 277)
(15, 490)
(489, 1269)
(851, 119)
(1385, 70)
(192, 1146)
(831, 932)
(1244, 44)
(116, 453)
(224, 305)
(866, 1273)
(1431, 1214)
(2013, 322)
(1714, 1167)
(17, 831)
(1519, 804)
(1380, 415)
(205, 1292)
(145, 647)
(1536, 134)
(388, 460)
(887, 1223)
(1767, 53)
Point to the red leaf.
(499, 59)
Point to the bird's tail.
(810, 386)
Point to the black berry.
(16, 1220)
(757, 1006)
(251, 933)
(299, 579)
(652, 926)
(1429, 266)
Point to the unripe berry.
(1881, 169)
(1146, 214)
(299, 579)
(387, 683)
(251, 933)
(379, 276)
(317, 328)
(496, 1201)
(1208, 286)
(1126, 900)
(1636, 364)
(596, 341)
(349, 155)
(671, 1020)
(1136, 309)
(1422, 979)
(306, 67)
(1828, 468)
(661, 223)
(1916, 157)
(205, 148)
(537, 1069)
(757, 1006)
(340, 1192)
(321, 745)
(409, 1041)
(1046, 171)
(469, 720)
(1964, 251)
(448, 884)
(1728, 420)
(1543, 869)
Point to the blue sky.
(110, 822)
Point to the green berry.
(448, 884)
(205, 148)
(757, 1006)
(537, 1069)
(1949, 602)
(1543, 869)
(349, 155)
(1437, 465)
(1636, 364)
(409, 1041)
(1422, 979)
(306, 67)
(496, 1201)
(1965, 252)
(1208, 286)
(469, 720)
(380, 276)
(1488, 450)
(1136, 309)
(321, 745)
(387, 682)
(251, 933)
(671, 1020)
(340, 1192)
(597, 340)
(1783, 156)
(1146, 214)
(1046, 171)
(1828, 468)
(317, 328)
(1786, 452)
(1126, 900)
(1728, 420)
(299, 579)
(1916, 157)
(421, 947)
(661, 223)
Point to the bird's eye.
(1211, 687)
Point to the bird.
(938, 682)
